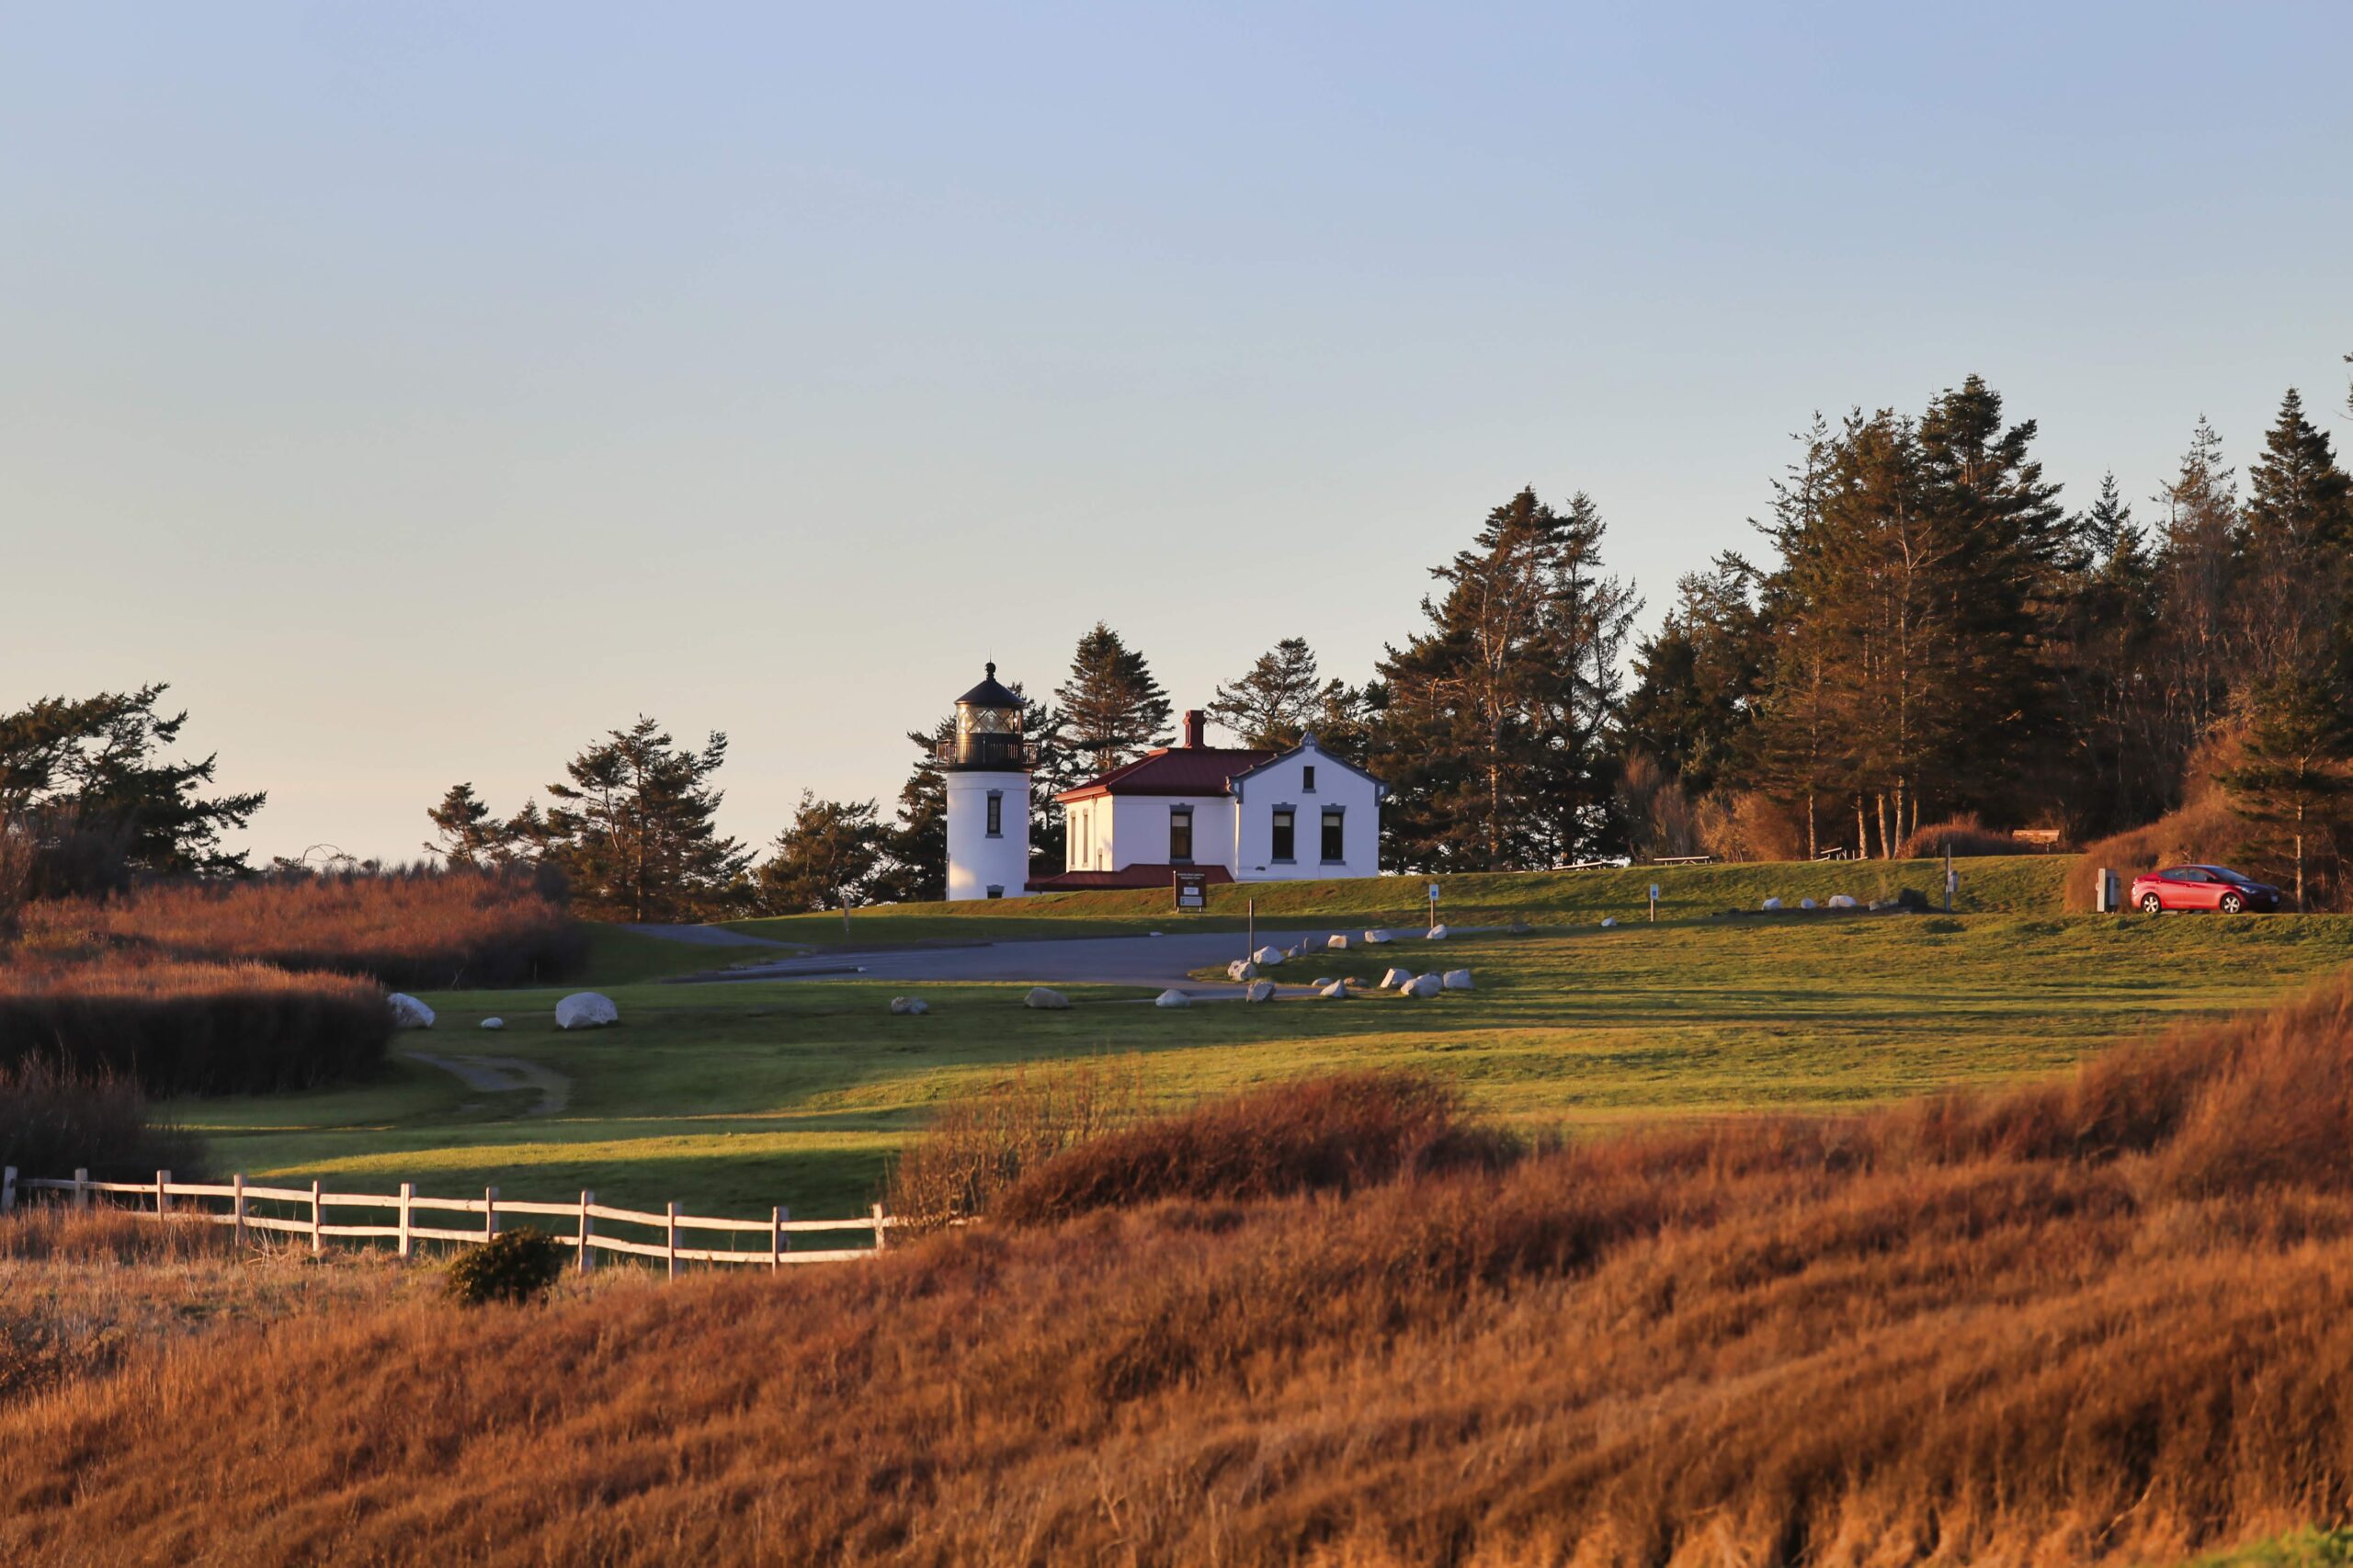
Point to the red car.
(2201, 887)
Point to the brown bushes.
(984, 1143)
(420, 929)
(2098, 1320)
(191, 1028)
(56, 1120)
(1963, 835)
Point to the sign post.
(1654, 904)
(1433, 906)
(1192, 891)
(1952, 879)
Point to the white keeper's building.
(1239, 815)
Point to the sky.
(423, 389)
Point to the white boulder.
(1334, 991)
(1172, 999)
(1436, 933)
(1045, 997)
(1375, 937)
(587, 1010)
(1772, 904)
(1424, 985)
(1266, 958)
(1259, 991)
(909, 1007)
(1396, 977)
(1321, 980)
(1240, 968)
(494, 1023)
(1806, 903)
(408, 1013)
(1841, 901)
(1609, 922)
(1457, 980)
(1337, 944)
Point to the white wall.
(975, 861)
(1140, 829)
(1283, 783)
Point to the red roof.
(1173, 770)
(1136, 876)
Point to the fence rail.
(159, 1198)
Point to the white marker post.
(1952, 879)
(1654, 904)
(1433, 906)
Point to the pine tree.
(633, 829)
(1695, 680)
(915, 847)
(829, 857)
(2201, 560)
(2299, 528)
(2298, 741)
(1497, 738)
(1275, 701)
(465, 834)
(2106, 634)
(1112, 709)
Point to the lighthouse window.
(1180, 832)
(1307, 780)
(1334, 848)
(1286, 833)
(996, 813)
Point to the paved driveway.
(1088, 961)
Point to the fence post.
(408, 1240)
(489, 1213)
(8, 1190)
(882, 1235)
(237, 1207)
(671, 1220)
(162, 1193)
(81, 1188)
(587, 1228)
(318, 1207)
(776, 1237)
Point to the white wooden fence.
(159, 1198)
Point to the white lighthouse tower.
(987, 767)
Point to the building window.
(1086, 839)
(1284, 835)
(1307, 779)
(996, 813)
(1180, 832)
(996, 891)
(1335, 847)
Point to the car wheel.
(2151, 903)
(2231, 903)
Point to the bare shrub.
(1964, 834)
(1331, 1134)
(1746, 824)
(56, 1120)
(977, 1147)
(1658, 813)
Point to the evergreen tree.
(1695, 680)
(915, 847)
(1495, 740)
(2299, 528)
(2201, 560)
(829, 857)
(2104, 645)
(465, 834)
(90, 779)
(632, 829)
(1277, 700)
(2298, 741)
(1112, 709)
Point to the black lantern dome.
(988, 730)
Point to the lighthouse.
(987, 768)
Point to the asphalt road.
(1088, 960)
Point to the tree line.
(1924, 632)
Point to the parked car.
(2202, 887)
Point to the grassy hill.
(2012, 884)
(732, 1098)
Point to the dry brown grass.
(976, 1147)
(2100, 1319)
(55, 1120)
(424, 928)
(1965, 834)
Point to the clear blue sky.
(423, 389)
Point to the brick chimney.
(1194, 719)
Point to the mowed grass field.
(731, 1097)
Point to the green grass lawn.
(2011, 883)
(732, 1098)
